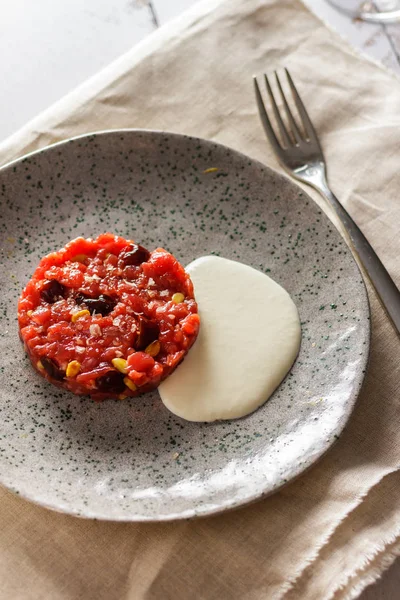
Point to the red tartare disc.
(108, 318)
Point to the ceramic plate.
(133, 460)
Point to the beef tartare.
(107, 317)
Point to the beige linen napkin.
(332, 531)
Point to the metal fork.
(301, 155)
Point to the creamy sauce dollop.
(249, 338)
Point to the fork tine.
(295, 129)
(285, 137)
(307, 124)
(265, 120)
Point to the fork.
(300, 153)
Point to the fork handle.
(384, 285)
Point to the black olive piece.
(113, 381)
(52, 291)
(102, 305)
(135, 255)
(147, 332)
(52, 369)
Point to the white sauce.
(249, 338)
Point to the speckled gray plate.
(133, 460)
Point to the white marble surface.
(49, 47)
